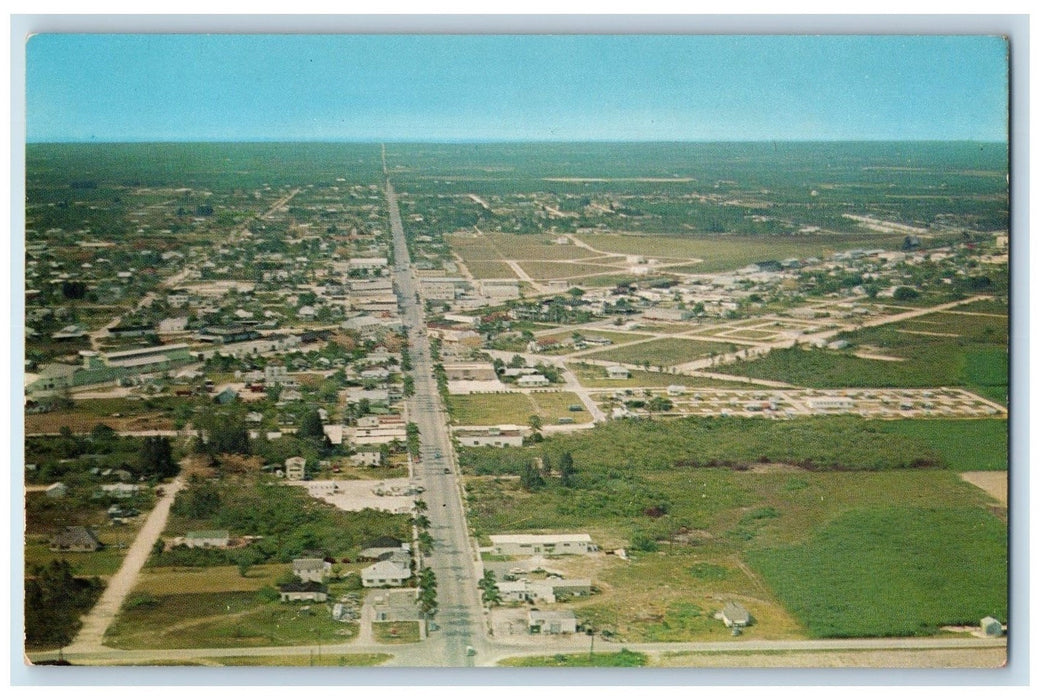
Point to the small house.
(368, 458)
(207, 539)
(735, 615)
(75, 538)
(618, 372)
(311, 569)
(295, 468)
(991, 627)
(551, 622)
(310, 591)
(385, 573)
(56, 490)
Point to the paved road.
(418, 654)
(453, 560)
(122, 582)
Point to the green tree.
(567, 470)
(156, 458)
(311, 426)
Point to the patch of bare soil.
(774, 468)
(995, 483)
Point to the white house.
(369, 458)
(309, 591)
(552, 622)
(217, 539)
(56, 490)
(618, 372)
(542, 544)
(530, 380)
(295, 468)
(311, 569)
(384, 573)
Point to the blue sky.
(84, 87)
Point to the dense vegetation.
(54, 600)
(818, 443)
(893, 572)
(288, 521)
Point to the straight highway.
(453, 560)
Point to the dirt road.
(104, 612)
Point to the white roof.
(386, 569)
(539, 539)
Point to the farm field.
(515, 408)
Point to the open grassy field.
(543, 270)
(892, 571)
(220, 620)
(689, 531)
(664, 352)
(396, 632)
(512, 247)
(515, 408)
(594, 376)
(729, 252)
(489, 269)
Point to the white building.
(311, 569)
(542, 544)
(384, 573)
(295, 468)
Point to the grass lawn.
(965, 445)
(515, 408)
(622, 659)
(663, 352)
(396, 632)
(892, 571)
(173, 580)
(220, 620)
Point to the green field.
(220, 620)
(729, 252)
(893, 571)
(664, 352)
(620, 659)
(594, 376)
(676, 495)
(515, 408)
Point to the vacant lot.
(664, 352)
(515, 408)
(892, 571)
(594, 376)
(729, 252)
(219, 620)
(690, 531)
(993, 483)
